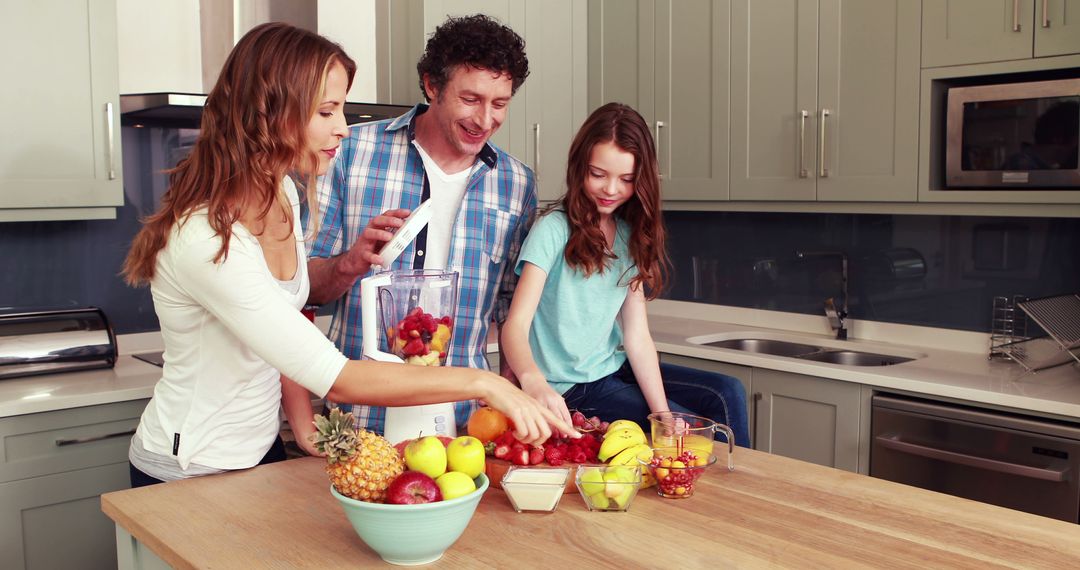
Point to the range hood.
(184, 110)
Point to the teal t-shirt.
(575, 336)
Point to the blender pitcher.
(408, 316)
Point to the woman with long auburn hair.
(577, 335)
(224, 257)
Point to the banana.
(621, 425)
(630, 455)
(618, 441)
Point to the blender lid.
(406, 233)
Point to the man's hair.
(477, 41)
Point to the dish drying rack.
(1059, 316)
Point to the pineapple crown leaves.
(335, 435)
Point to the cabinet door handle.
(1046, 14)
(659, 172)
(78, 440)
(536, 150)
(803, 173)
(112, 140)
(823, 170)
(753, 426)
(1016, 16)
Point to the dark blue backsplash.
(939, 271)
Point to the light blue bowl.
(409, 535)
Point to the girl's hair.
(253, 133)
(586, 249)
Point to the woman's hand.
(303, 434)
(533, 421)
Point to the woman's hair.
(587, 249)
(252, 134)
(476, 41)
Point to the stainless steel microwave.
(1014, 135)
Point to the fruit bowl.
(608, 487)
(676, 470)
(412, 534)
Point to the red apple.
(411, 488)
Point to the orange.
(486, 424)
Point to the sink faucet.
(835, 315)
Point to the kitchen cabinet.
(53, 467)
(813, 419)
(61, 148)
(825, 100)
(669, 60)
(957, 32)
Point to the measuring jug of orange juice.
(687, 431)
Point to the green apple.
(599, 501)
(466, 454)
(426, 455)
(454, 484)
(592, 481)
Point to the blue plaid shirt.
(377, 169)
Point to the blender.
(408, 317)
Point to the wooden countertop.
(770, 512)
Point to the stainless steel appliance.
(1013, 135)
(48, 341)
(1015, 461)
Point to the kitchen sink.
(812, 352)
(766, 346)
(854, 358)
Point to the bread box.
(54, 340)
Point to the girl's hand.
(533, 421)
(552, 400)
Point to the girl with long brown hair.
(224, 258)
(577, 335)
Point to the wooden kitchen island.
(770, 512)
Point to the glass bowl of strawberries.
(677, 470)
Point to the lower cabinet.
(813, 419)
(55, 521)
(54, 466)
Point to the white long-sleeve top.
(229, 328)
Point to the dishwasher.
(1020, 462)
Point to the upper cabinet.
(957, 32)
(61, 153)
(825, 100)
(669, 60)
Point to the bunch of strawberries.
(556, 451)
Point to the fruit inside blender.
(422, 338)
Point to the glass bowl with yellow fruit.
(677, 469)
(608, 487)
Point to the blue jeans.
(718, 397)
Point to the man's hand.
(364, 253)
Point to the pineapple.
(361, 464)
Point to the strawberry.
(536, 455)
(519, 456)
(414, 347)
(554, 456)
(502, 450)
(580, 457)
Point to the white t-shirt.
(447, 191)
(228, 328)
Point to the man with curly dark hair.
(482, 197)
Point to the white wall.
(159, 46)
(351, 23)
